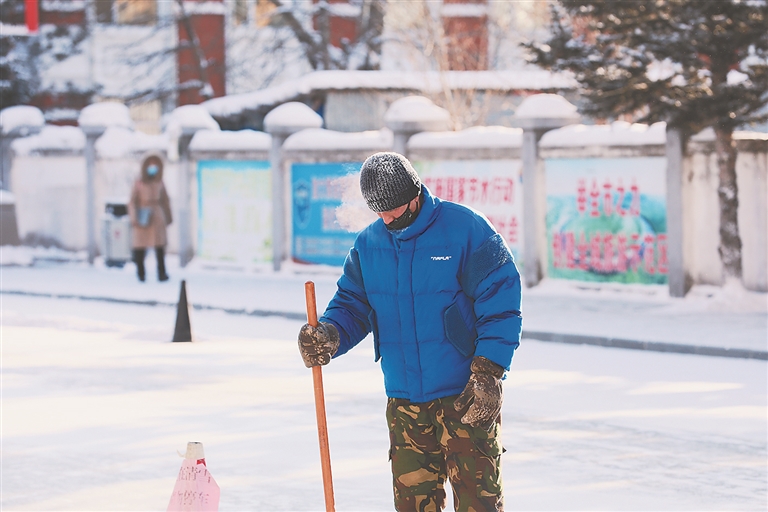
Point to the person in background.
(150, 211)
(439, 289)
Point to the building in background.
(139, 52)
(155, 55)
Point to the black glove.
(318, 344)
(483, 391)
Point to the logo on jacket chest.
(440, 258)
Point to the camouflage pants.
(429, 443)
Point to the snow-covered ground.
(728, 317)
(96, 400)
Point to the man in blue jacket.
(439, 289)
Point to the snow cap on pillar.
(414, 114)
(187, 120)
(191, 118)
(545, 112)
(21, 120)
(290, 118)
(97, 117)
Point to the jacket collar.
(426, 216)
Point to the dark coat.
(149, 192)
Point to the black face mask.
(403, 221)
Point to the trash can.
(117, 234)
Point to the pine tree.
(691, 64)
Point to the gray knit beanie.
(387, 181)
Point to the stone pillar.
(536, 115)
(92, 133)
(281, 123)
(184, 122)
(94, 121)
(675, 158)
(413, 114)
(15, 122)
(186, 250)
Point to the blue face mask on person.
(152, 170)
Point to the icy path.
(96, 402)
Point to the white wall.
(50, 190)
(752, 176)
(702, 216)
(701, 219)
(50, 198)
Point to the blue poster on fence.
(317, 191)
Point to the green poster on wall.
(234, 211)
(606, 219)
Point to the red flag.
(31, 15)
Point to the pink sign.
(195, 489)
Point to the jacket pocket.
(456, 330)
(375, 330)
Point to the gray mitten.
(483, 392)
(318, 344)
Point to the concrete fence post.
(184, 122)
(15, 122)
(280, 123)
(675, 222)
(186, 250)
(411, 115)
(92, 133)
(537, 115)
(94, 120)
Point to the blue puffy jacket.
(435, 294)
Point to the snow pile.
(416, 109)
(618, 133)
(201, 8)
(118, 142)
(291, 117)
(105, 114)
(319, 139)
(659, 70)
(20, 116)
(475, 137)
(129, 61)
(186, 119)
(546, 105)
(731, 297)
(61, 138)
(13, 30)
(708, 135)
(69, 73)
(22, 256)
(243, 140)
(750, 135)
(423, 82)
(191, 118)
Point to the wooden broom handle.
(322, 424)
